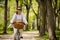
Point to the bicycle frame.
(18, 35)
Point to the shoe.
(14, 39)
(21, 37)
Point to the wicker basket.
(18, 25)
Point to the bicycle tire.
(18, 35)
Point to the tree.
(8, 13)
(21, 3)
(17, 3)
(42, 14)
(54, 10)
(5, 17)
(28, 4)
(8, 16)
(58, 12)
(50, 21)
(36, 14)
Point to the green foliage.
(58, 3)
(1, 26)
(58, 32)
(1, 0)
(12, 5)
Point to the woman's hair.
(18, 9)
(16, 12)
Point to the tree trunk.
(8, 16)
(39, 17)
(21, 4)
(37, 22)
(50, 21)
(27, 16)
(28, 5)
(42, 17)
(33, 25)
(55, 9)
(5, 17)
(16, 4)
(58, 18)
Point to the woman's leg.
(15, 31)
(21, 32)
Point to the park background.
(42, 16)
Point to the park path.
(26, 36)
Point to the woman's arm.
(13, 19)
(24, 20)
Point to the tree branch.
(34, 11)
(58, 10)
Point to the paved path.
(26, 36)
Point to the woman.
(18, 17)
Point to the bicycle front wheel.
(18, 35)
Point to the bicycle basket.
(18, 25)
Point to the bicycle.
(18, 26)
(18, 35)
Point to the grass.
(9, 31)
(58, 34)
(46, 36)
(42, 38)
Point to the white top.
(19, 18)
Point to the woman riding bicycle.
(18, 17)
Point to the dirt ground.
(26, 36)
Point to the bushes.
(1, 26)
